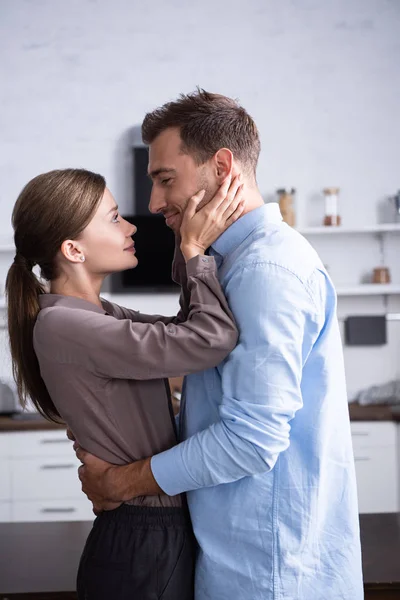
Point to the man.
(265, 454)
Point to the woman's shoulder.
(65, 321)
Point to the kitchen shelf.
(380, 228)
(368, 289)
(7, 248)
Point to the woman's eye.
(165, 181)
(115, 218)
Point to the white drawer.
(5, 443)
(53, 477)
(373, 434)
(60, 510)
(377, 480)
(5, 481)
(5, 512)
(40, 443)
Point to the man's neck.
(253, 199)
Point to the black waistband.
(147, 516)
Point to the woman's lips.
(130, 249)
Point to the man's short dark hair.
(207, 123)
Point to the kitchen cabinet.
(375, 447)
(39, 480)
(5, 512)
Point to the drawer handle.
(57, 467)
(55, 441)
(361, 458)
(360, 433)
(58, 510)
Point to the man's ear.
(223, 163)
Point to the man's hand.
(107, 485)
(97, 481)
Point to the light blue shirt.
(267, 459)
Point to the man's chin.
(174, 223)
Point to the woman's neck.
(89, 291)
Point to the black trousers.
(138, 553)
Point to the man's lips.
(169, 218)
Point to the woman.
(99, 367)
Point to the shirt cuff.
(170, 472)
(200, 264)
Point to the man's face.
(176, 177)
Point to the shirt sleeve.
(132, 350)
(261, 384)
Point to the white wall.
(321, 78)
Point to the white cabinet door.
(40, 443)
(5, 512)
(5, 444)
(52, 510)
(373, 434)
(5, 479)
(39, 478)
(377, 477)
(375, 457)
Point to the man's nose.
(157, 202)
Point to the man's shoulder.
(278, 246)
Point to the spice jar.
(286, 196)
(381, 275)
(332, 218)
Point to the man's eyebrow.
(113, 209)
(156, 172)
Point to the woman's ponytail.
(23, 289)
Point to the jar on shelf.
(286, 197)
(381, 275)
(332, 217)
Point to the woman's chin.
(134, 262)
(131, 264)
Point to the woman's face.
(107, 241)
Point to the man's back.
(273, 498)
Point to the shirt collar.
(239, 231)
(49, 300)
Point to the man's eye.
(115, 218)
(165, 181)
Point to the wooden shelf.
(380, 228)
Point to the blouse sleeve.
(126, 349)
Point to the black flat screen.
(155, 244)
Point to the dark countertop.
(374, 412)
(30, 423)
(40, 560)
